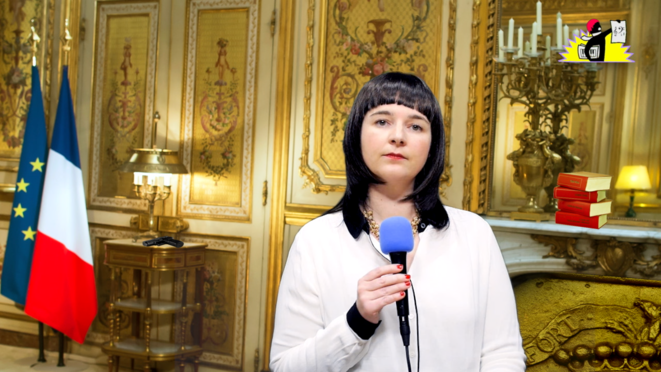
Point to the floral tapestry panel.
(123, 111)
(15, 70)
(219, 275)
(219, 104)
(362, 39)
(124, 81)
(223, 320)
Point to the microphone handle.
(403, 304)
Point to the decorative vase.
(533, 166)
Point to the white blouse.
(466, 310)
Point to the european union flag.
(27, 200)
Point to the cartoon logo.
(599, 46)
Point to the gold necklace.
(374, 227)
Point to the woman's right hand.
(378, 289)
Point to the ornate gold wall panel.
(123, 97)
(218, 109)
(15, 68)
(361, 40)
(225, 295)
(588, 323)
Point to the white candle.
(547, 53)
(167, 180)
(527, 49)
(539, 17)
(565, 34)
(558, 32)
(520, 42)
(533, 39)
(501, 53)
(510, 34)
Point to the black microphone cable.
(417, 322)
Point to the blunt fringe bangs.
(412, 92)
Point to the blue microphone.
(396, 238)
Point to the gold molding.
(284, 78)
(479, 7)
(311, 177)
(446, 177)
(300, 214)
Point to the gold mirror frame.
(480, 126)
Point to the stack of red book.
(581, 199)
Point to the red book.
(569, 194)
(584, 208)
(585, 181)
(573, 219)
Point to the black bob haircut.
(412, 92)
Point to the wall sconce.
(633, 177)
(153, 170)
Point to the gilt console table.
(140, 308)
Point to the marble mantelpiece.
(530, 247)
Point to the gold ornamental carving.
(472, 100)
(585, 323)
(614, 257)
(638, 325)
(446, 177)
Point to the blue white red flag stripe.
(62, 289)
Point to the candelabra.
(570, 87)
(550, 90)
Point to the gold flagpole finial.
(33, 39)
(66, 41)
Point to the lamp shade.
(154, 161)
(633, 177)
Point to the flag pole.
(34, 40)
(60, 358)
(66, 47)
(42, 357)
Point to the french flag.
(62, 289)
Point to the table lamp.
(633, 177)
(152, 175)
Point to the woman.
(335, 308)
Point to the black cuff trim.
(361, 326)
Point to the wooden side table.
(145, 261)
